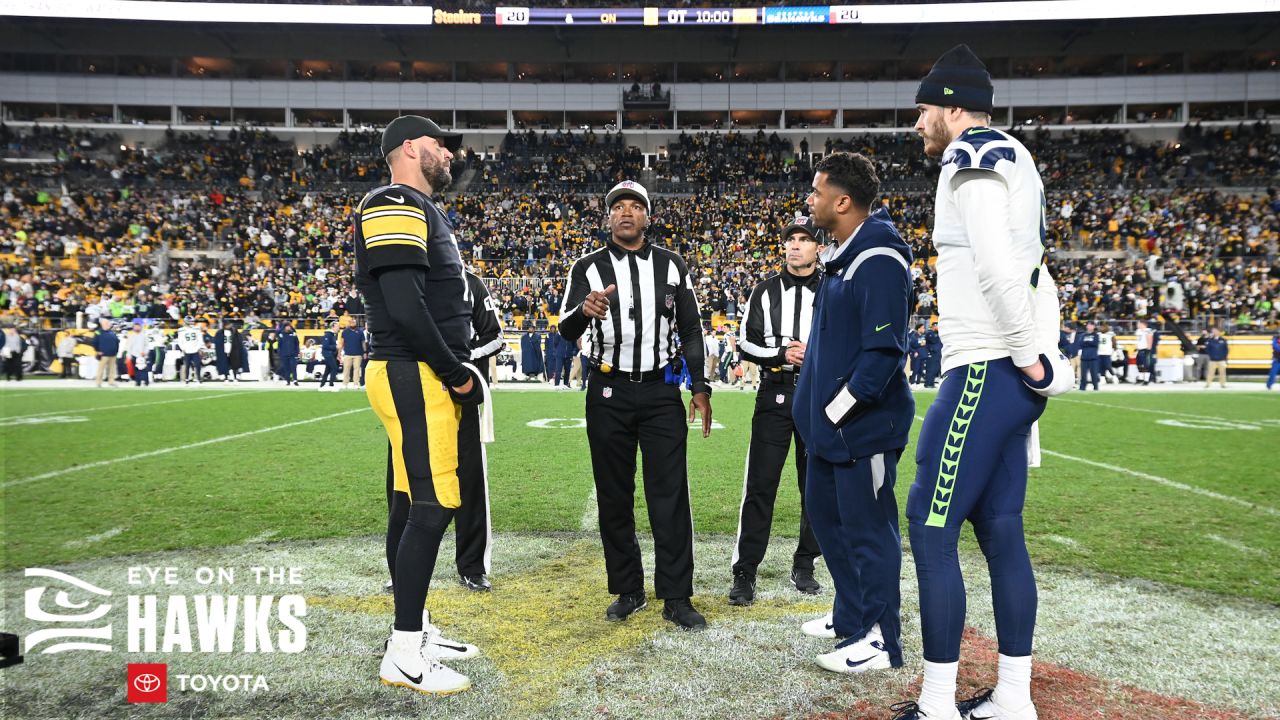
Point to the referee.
(472, 523)
(773, 336)
(410, 273)
(631, 299)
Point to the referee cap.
(412, 127)
(627, 188)
(801, 223)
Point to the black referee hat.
(412, 127)
(958, 79)
(801, 223)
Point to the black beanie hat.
(958, 79)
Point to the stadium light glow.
(1018, 11)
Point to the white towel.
(486, 412)
(1033, 446)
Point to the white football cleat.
(983, 706)
(867, 653)
(442, 647)
(437, 646)
(405, 665)
(822, 627)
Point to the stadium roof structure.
(78, 27)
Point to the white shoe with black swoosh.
(823, 627)
(867, 653)
(438, 646)
(983, 706)
(405, 665)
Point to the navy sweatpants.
(854, 515)
(971, 464)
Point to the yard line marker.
(1160, 480)
(176, 448)
(95, 538)
(117, 407)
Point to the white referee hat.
(627, 188)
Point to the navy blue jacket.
(531, 361)
(1087, 345)
(933, 342)
(859, 341)
(106, 343)
(329, 345)
(916, 344)
(1068, 345)
(352, 341)
(288, 347)
(1216, 348)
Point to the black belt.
(783, 377)
(637, 376)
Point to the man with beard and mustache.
(411, 275)
(999, 320)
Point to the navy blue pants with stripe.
(854, 515)
(971, 464)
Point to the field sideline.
(1154, 524)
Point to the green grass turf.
(325, 479)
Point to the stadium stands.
(270, 225)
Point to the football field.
(1154, 524)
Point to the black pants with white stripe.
(620, 416)
(471, 521)
(772, 429)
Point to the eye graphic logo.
(147, 683)
(64, 609)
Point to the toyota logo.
(146, 683)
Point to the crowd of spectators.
(283, 249)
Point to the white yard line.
(1170, 413)
(74, 411)
(1159, 480)
(176, 448)
(5, 395)
(92, 539)
(262, 537)
(1167, 483)
(590, 514)
(1241, 547)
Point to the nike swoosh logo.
(830, 626)
(881, 327)
(397, 199)
(856, 663)
(975, 131)
(458, 648)
(415, 680)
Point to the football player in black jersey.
(411, 275)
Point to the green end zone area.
(1152, 515)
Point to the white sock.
(1013, 686)
(938, 693)
(405, 640)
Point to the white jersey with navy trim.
(995, 296)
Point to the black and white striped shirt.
(654, 303)
(780, 310)
(486, 323)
